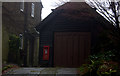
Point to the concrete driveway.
(42, 72)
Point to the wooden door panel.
(75, 53)
(71, 48)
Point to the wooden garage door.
(71, 48)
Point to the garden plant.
(104, 62)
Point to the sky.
(46, 8)
(51, 4)
(48, 5)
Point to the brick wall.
(15, 21)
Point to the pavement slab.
(67, 71)
(25, 71)
(43, 72)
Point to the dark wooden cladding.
(71, 49)
(70, 31)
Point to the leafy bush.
(14, 43)
(6, 67)
(100, 64)
(109, 40)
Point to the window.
(22, 6)
(32, 11)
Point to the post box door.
(46, 53)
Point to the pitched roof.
(73, 6)
(75, 11)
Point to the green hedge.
(14, 54)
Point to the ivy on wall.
(14, 55)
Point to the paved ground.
(43, 71)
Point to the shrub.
(100, 64)
(14, 43)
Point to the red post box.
(46, 52)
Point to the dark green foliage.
(6, 67)
(100, 64)
(13, 55)
(103, 56)
(109, 41)
(105, 61)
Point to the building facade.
(68, 34)
(20, 18)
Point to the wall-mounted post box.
(46, 52)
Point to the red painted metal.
(46, 52)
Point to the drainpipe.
(36, 48)
(25, 34)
